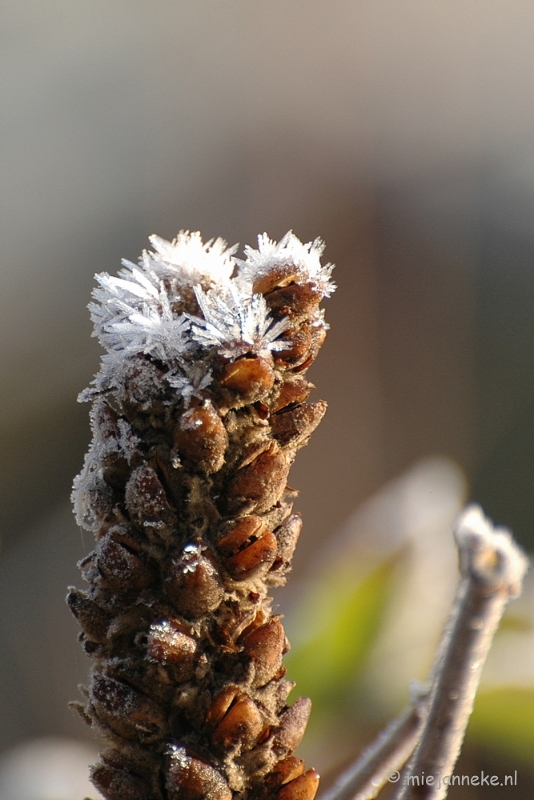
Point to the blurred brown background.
(400, 132)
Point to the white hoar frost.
(186, 302)
(290, 252)
(190, 379)
(187, 262)
(236, 322)
(108, 440)
(130, 318)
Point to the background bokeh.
(400, 132)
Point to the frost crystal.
(190, 379)
(111, 441)
(180, 308)
(134, 315)
(288, 252)
(186, 261)
(236, 323)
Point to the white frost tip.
(489, 554)
(288, 252)
(178, 755)
(181, 308)
(188, 260)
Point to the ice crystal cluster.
(198, 411)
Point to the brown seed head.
(292, 727)
(297, 298)
(281, 275)
(259, 485)
(169, 643)
(147, 504)
(302, 788)
(118, 784)
(240, 535)
(127, 712)
(241, 725)
(220, 706)
(250, 378)
(265, 646)
(201, 439)
(299, 345)
(193, 583)
(285, 771)
(93, 620)
(287, 536)
(120, 565)
(293, 390)
(296, 425)
(253, 559)
(188, 778)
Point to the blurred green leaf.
(333, 630)
(503, 719)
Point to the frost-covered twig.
(388, 754)
(198, 411)
(492, 568)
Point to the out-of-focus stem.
(364, 779)
(492, 568)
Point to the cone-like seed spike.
(198, 411)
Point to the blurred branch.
(364, 779)
(492, 568)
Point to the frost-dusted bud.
(120, 563)
(147, 504)
(292, 727)
(220, 706)
(193, 584)
(201, 439)
(293, 390)
(241, 725)
(240, 535)
(188, 778)
(285, 771)
(260, 484)
(127, 712)
(276, 277)
(294, 299)
(118, 784)
(256, 557)
(302, 788)
(93, 619)
(318, 335)
(265, 646)
(169, 642)
(247, 548)
(296, 425)
(287, 536)
(143, 387)
(299, 346)
(104, 419)
(94, 500)
(249, 377)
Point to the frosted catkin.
(198, 411)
